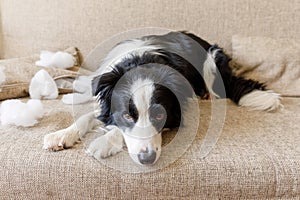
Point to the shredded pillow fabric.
(16, 75)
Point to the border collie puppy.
(143, 86)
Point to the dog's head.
(141, 102)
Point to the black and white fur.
(143, 86)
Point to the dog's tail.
(244, 92)
(252, 94)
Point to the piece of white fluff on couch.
(42, 86)
(83, 89)
(58, 59)
(17, 113)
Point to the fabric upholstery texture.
(257, 156)
(31, 26)
(273, 62)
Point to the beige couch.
(257, 155)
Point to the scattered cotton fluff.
(42, 86)
(19, 113)
(82, 85)
(76, 98)
(59, 59)
(2, 75)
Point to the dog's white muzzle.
(144, 150)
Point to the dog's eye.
(159, 116)
(128, 117)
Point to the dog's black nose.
(147, 156)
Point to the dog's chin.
(143, 150)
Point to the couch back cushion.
(30, 26)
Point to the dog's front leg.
(107, 145)
(66, 138)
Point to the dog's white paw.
(106, 145)
(61, 139)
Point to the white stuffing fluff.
(59, 59)
(42, 86)
(76, 98)
(82, 85)
(21, 114)
(2, 75)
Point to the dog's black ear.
(102, 87)
(95, 85)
